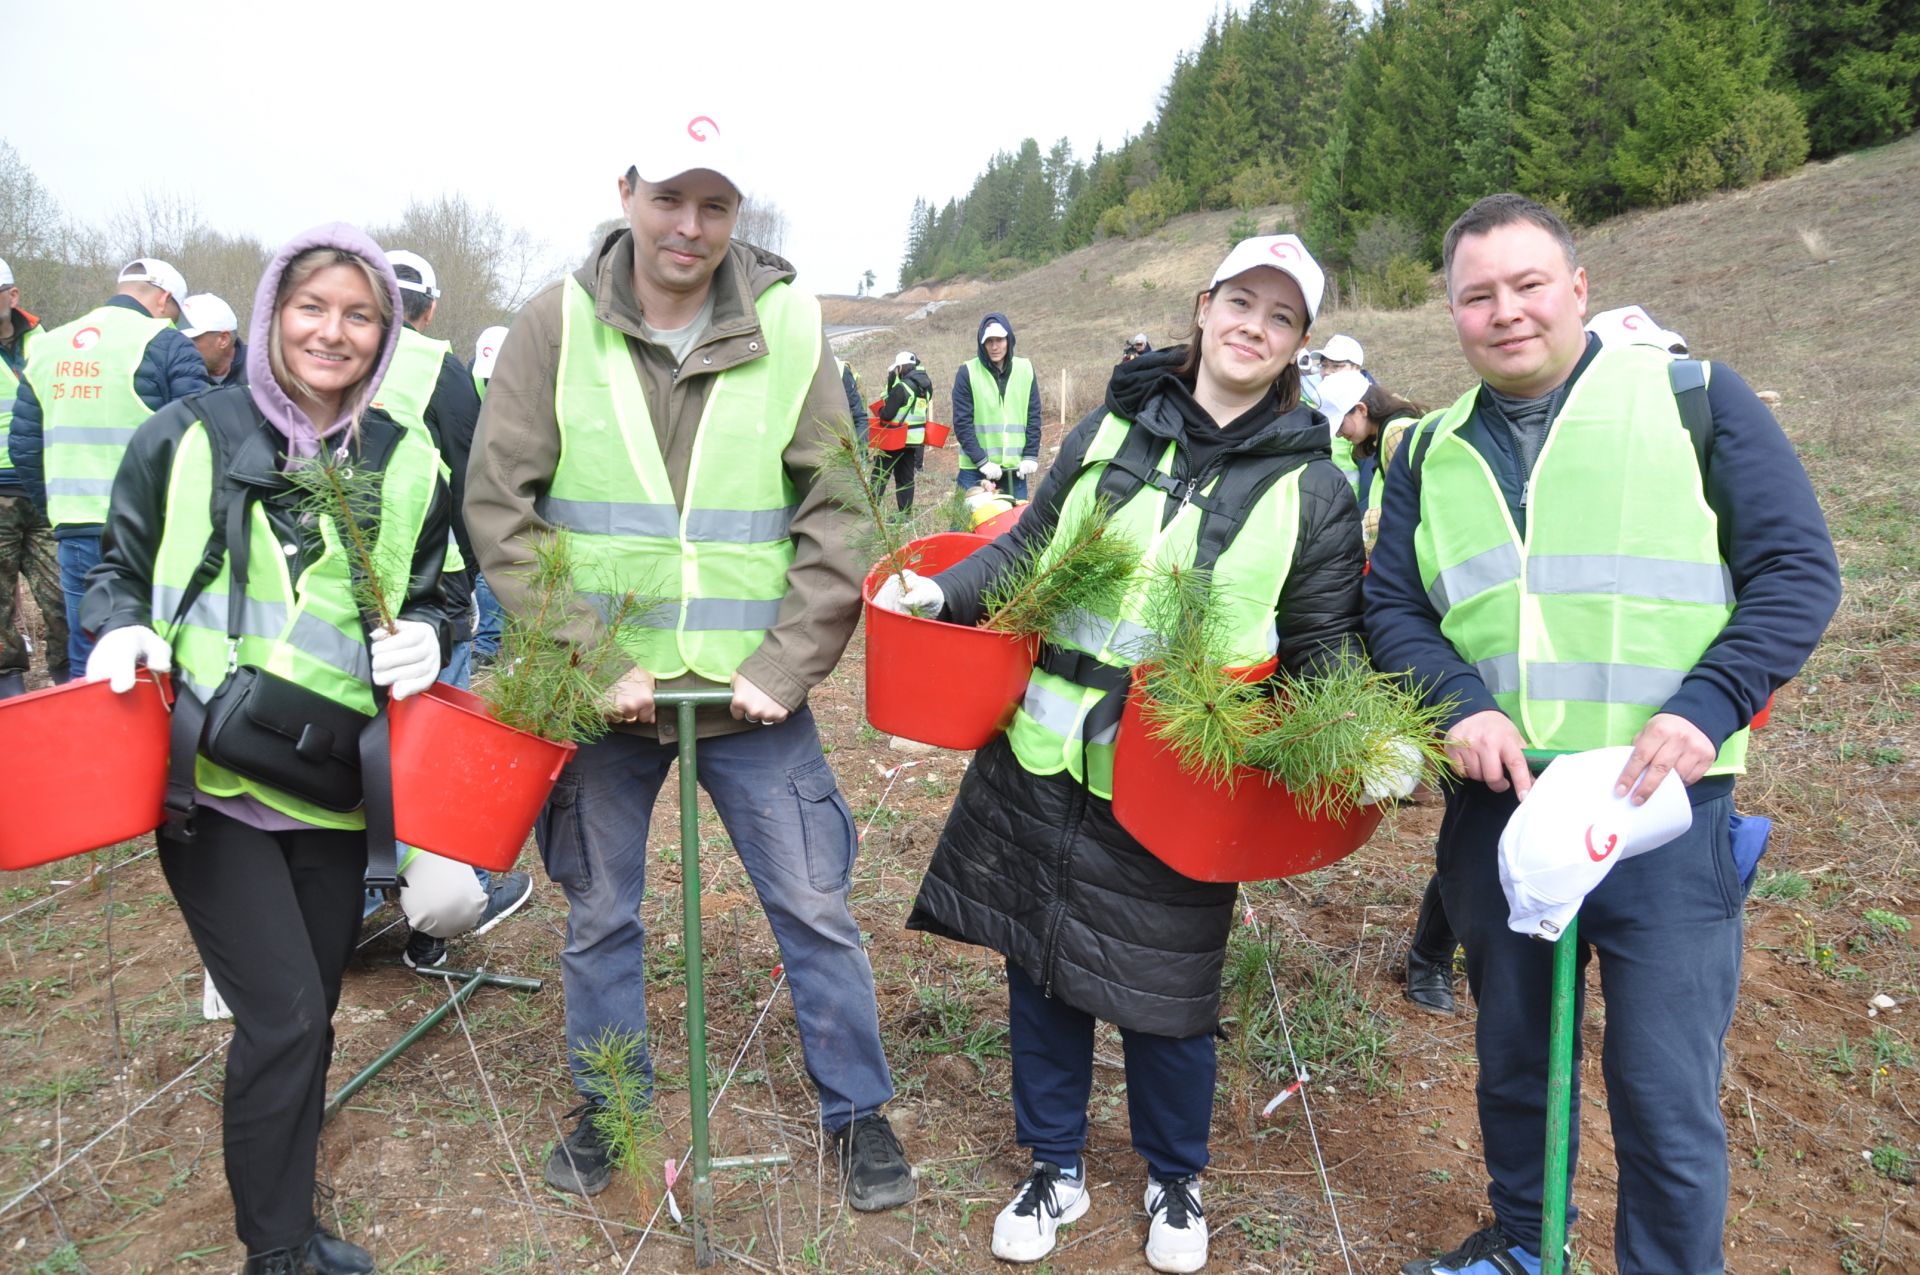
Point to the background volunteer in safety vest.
(669, 403)
(214, 329)
(909, 398)
(1032, 863)
(26, 541)
(996, 413)
(270, 881)
(86, 388)
(1553, 559)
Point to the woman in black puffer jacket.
(1032, 862)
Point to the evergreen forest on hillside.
(1380, 129)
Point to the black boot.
(1430, 956)
(328, 1254)
(281, 1261)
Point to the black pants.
(274, 916)
(902, 465)
(1433, 936)
(1666, 926)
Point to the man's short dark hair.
(413, 304)
(1507, 209)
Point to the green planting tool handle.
(1553, 1201)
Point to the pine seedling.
(624, 1117)
(883, 530)
(1207, 716)
(332, 488)
(953, 513)
(545, 681)
(1085, 566)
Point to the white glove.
(407, 658)
(119, 652)
(991, 472)
(910, 594)
(1027, 467)
(1400, 776)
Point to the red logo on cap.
(85, 337)
(693, 127)
(1629, 321)
(1285, 251)
(486, 351)
(1600, 856)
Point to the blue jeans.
(795, 835)
(1666, 926)
(486, 634)
(1008, 484)
(78, 555)
(459, 669)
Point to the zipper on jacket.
(1076, 813)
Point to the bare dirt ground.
(109, 1079)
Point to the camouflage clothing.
(26, 548)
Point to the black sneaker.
(580, 1163)
(281, 1261)
(328, 1254)
(504, 897)
(424, 951)
(873, 1164)
(1485, 1252)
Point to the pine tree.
(1856, 64)
(1593, 55)
(1488, 123)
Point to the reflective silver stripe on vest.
(1603, 683)
(1475, 576)
(1085, 631)
(1062, 716)
(310, 635)
(611, 518)
(704, 615)
(1664, 578)
(79, 487)
(741, 526)
(90, 434)
(1501, 674)
(662, 522)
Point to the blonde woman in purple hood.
(209, 568)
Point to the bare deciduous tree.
(485, 268)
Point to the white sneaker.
(1046, 1201)
(1177, 1235)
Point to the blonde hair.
(298, 271)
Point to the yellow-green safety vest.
(82, 373)
(721, 561)
(10, 389)
(405, 393)
(1049, 732)
(308, 630)
(1583, 627)
(914, 415)
(1000, 420)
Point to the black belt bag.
(280, 733)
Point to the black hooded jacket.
(903, 389)
(1036, 867)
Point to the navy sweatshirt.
(1772, 534)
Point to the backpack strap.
(1689, 380)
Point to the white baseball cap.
(1566, 836)
(906, 358)
(486, 352)
(1632, 325)
(1284, 253)
(429, 282)
(204, 312)
(156, 272)
(1344, 349)
(991, 331)
(6, 274)
(1338, 393)
(670, 145)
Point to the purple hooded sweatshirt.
(274, 403)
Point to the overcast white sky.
(273, 117)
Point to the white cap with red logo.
(1284, 253)
(486, 352)
(674, 144)
(1566, 836)
(158, 273)
(1632, 325)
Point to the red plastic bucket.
(85, 768)
(1255, 833)
(940, 683)
(1761, 718)
(938, 432)
(1000, 524)
(884, 436)
(466, 786)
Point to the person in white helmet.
(908, 402)
(214, 329)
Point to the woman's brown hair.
(1382, 406)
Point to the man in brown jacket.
(668, 403)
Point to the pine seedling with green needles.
(883, 529)
(1085, 566)
(334, 489)
(952, 514)
(542, 682)
(625, 1119)
(1208, 717)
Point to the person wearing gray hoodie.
(269, 879)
